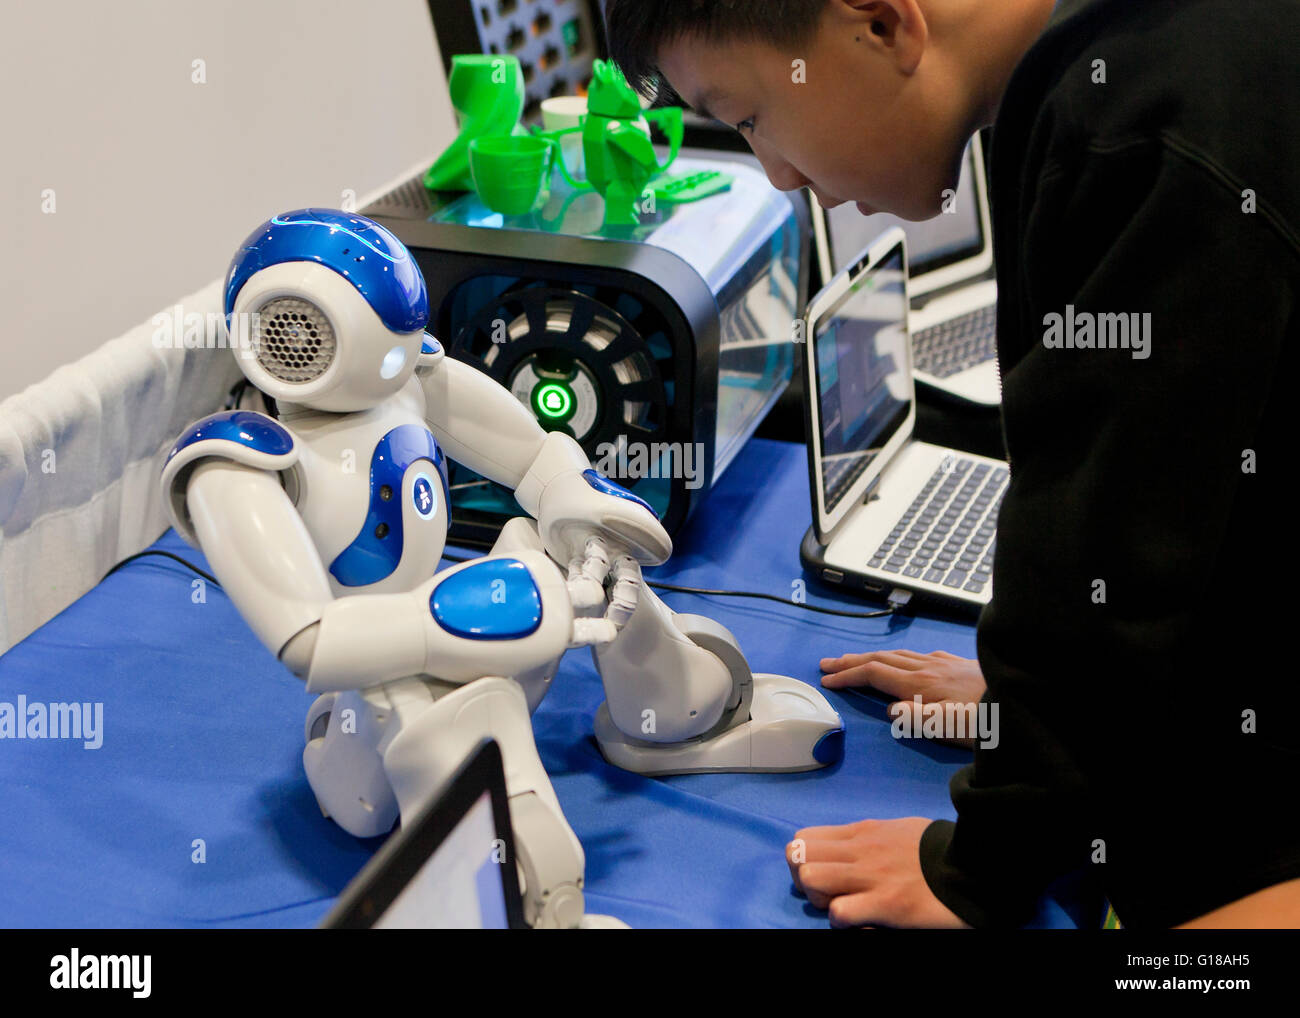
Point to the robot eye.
(393, 362)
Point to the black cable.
(165, 554)
(743, 593)
(772, 597)
(650, 583)
(236, 396)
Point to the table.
(202, 742)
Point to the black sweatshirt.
(1138, 643)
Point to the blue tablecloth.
(202, 742)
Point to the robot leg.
(420, 757)
(372, 754)
(342, 757)
(520, 534)
(680, 698)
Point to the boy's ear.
(896, 25)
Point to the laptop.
(452, 868)
(954, 320)
(890, 514)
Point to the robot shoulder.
(431, 353)
(239, 436)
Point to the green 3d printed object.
(619, 157)
(487, 91)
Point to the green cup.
(511, 174)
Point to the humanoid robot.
(325, 522)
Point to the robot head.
(332, 307)
(609, 94)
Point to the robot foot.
(791, 727)
(592, 921)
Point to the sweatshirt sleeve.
(1128, 477)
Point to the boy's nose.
(783, 176)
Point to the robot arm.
(477, 421)
(482, 425)
(493, 616)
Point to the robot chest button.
(492, 600)
(424, 497)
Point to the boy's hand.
(938, 677)
(868, 874)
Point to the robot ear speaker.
(293, 340)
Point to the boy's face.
(867, 117)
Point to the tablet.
(453, 867)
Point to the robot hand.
(580, 504)
(600, 613)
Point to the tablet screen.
(459, 886)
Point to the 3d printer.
(659, 347)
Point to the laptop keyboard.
(957, 344)
(946, 536)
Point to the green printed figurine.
(487, 91)
(619, 157)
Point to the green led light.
(554, 401)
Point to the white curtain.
(80, 458)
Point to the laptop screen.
(864, 390)
(949, 237)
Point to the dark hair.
(636, 31)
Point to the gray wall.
(156, 178)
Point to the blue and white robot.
(326, 524)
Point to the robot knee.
(689, 703)
(344, 767)
(518, 534)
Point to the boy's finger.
(861, 909)
(831, 879)
(836, 664)
(847, 661)
(888, 658)
(908, 660)
(888, 679)
(916, 655)
(829, 832)
(801, 851)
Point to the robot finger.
(587, 595)
(596, 558)
(586, 591)
(593, 632)
(625, 592)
